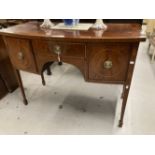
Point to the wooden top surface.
(119, 32)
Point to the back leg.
(46, 67)
(43, 79)
(49, 70)
(153, 55)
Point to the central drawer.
(53, 49)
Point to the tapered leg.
(148, 50)
(43, 79)
(21, 87)
(46, 67)
(153, 55)
(126, 87)
(49, 70)
(123, 92)
(125, 97)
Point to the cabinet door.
(108, 62)
(20, 53)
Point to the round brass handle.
(108, 64)
(20, 56)
(57, 49)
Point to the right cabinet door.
(108, 62)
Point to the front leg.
(21, 87)
(127, 83)
(126, 89)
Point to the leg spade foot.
(120, 124)
(21, 87)
(125, 96)
(60, 106)
(25, 102)
(43, 79)
(60, 63)
(43, 83)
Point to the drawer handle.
(108, 64)
(20, 56)
(57, 49)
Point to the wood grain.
(15, 47)
(98, 54)
(115, 32)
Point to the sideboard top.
(119, 32)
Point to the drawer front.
(108, 62)
(20, 53)
(52, 49)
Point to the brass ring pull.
(57, 49)
(20, 56)
(108, 64)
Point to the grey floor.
(88, 108)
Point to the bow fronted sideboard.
(101, 56)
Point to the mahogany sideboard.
(101, 56)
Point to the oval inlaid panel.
(108, 61)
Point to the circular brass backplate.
(108, 64)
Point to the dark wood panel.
(7, 75)
(3, 89)
(73, 53)
(51, 49)
(21, 54)
(3, 52)
(108, 62)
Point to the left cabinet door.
(20, 53)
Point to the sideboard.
(101, 56)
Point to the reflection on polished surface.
(99, 25)
(114, 31)
(47, 24)
(55, 33)
(47, 32)
(99, 33)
